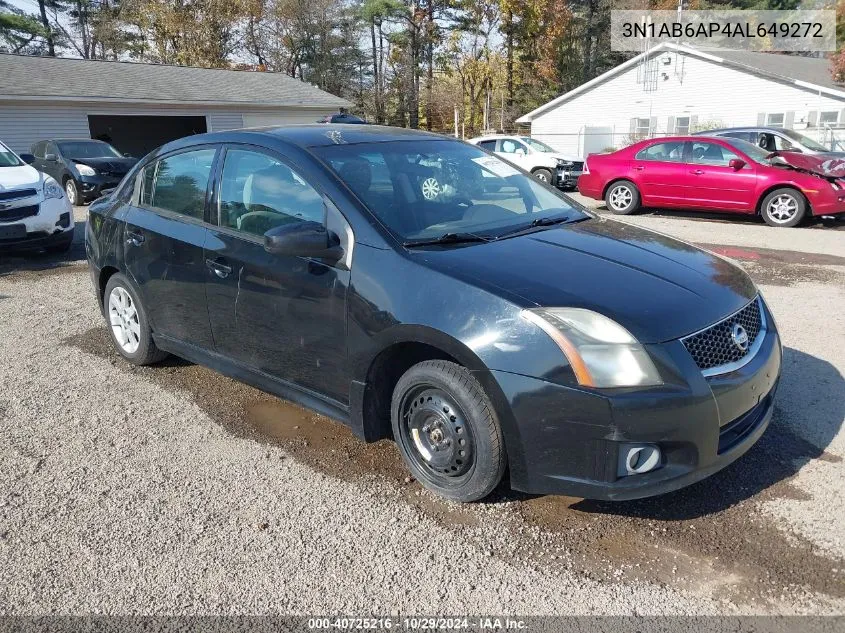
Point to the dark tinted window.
(711, 154)
(488, 145)
(669, 152)
(750, 137)
(259, 192)
(178, 183)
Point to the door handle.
(639, 167)
(134, 238)
(218, 267)
(697, 172)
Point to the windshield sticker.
(496, 166)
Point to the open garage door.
(137, 135)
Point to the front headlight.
(564, 163)
(602, 353)
(52, 189)
(85, 170)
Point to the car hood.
(830, 165)
(22, 177)
(655, 286)
(114, 165)
(570, 157)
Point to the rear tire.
(543, 175)
(622, 197)
(447, 431)
(128, 324)
(783, 207)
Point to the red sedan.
(721, 174)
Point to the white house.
(138, 107)
(676, 89)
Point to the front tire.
(783, 207)
(447, 431)
(622, 197)
(72, 192)
(128, 323)
(543, 175)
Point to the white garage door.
(285, 118)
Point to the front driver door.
(714, 184)
(282, 315)
(163, 244)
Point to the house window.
(643, 127)
(682, 125)
(828, 118)
(775, 119)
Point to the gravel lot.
(173, 490)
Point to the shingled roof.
(62, 78)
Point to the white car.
(34, 210)
(547, 164)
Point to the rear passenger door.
(281, 315)
(165, 232)
(658, 171)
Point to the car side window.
(178, 183)
(259, 192)
(711, 154)
(490, 146)
(38, 149)
(782, 144)
(668, 152)
(51, 149)
(509, 146)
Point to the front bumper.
(569, 439)
(827, 202)
(567, 179)
(51, 225)
(91, 187)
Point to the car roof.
(493, 137)
(321, 134)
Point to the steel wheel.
(436, 435)
(430, 188)
(542, 176)
(123, 318)
(70, 191)
(782, 208)
(620, 198)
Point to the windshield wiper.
(533, 226)
(448, 238)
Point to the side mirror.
(303, 239)
(27, 158)
(736, 163)
(51, 158)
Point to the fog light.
(64, 220)
(635, 459)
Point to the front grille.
(18, 213)
(715, 346)
(19, 194)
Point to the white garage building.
(675, 89)
(137, 107)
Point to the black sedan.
(84, 167)
(486, 324)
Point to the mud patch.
(35, 271)
(784, 268)
(708, 538)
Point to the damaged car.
(716, 174)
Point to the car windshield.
(422, 190)
(88, 149)
(805, 141)
(537, 145)
(8, 158)
(754, 152)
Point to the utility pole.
(456, 121)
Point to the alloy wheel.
(70, 191)
(621, 198)
(782, 208)
(436, 434)
(123, 318)
(430, 188)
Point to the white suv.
(547, 164)
(34, 211)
